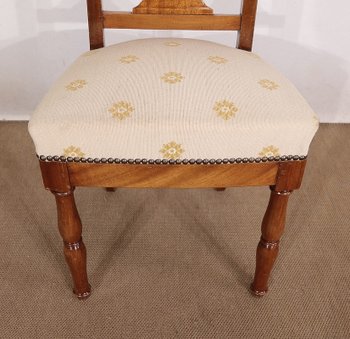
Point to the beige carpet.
(176, 263)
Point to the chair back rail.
(173, 15)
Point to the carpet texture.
(176, 263)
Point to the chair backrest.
(172, 15)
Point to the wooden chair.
(62, 170)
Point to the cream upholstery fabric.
(170, 99)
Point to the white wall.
(39, 38)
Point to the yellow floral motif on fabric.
(171, 150)
(172, 77)
(270, 151)
(225, 109)
(268, 84)
(128, 59)
(217, 59)
(73, 152)
(75, 85)
(172, 43)
(121, 110)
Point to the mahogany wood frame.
(61, 177)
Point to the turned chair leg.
(70, 228)
(271, 229)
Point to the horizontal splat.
(172, 7)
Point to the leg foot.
(256, 292)
(83, 295)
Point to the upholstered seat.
(172, 99)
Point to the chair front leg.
(70, 228)
(271, 229)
